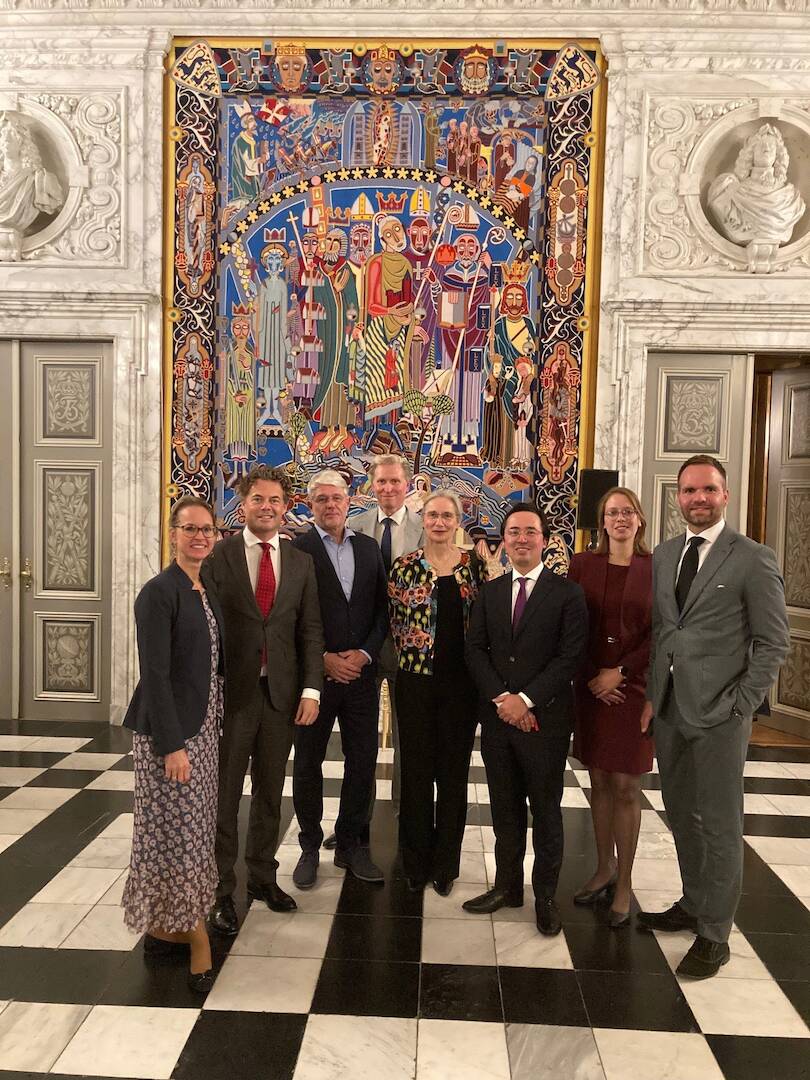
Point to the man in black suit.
(274, 675)
(527, 637)
(352, 588)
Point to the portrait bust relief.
(756, 205)
(27, 189)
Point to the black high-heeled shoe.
(586, 897)
(617, 920)
(201, 982)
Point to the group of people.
(253, 644)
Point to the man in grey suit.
(397, 530)
(720, 632)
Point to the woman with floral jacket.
(431, 591)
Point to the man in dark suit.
(352, 588)
(719, 634)
(274, 675)
(527, 638)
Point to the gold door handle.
(26, 575)
(5, 573)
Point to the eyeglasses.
(530, 534)
(191, 531)
(626, 511)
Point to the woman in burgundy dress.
(610, 693)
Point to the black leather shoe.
(223, 916)
(330, 843)
(704, 959)
(158, 949)
(275, 898)
(494, 900)
(443, 886)
(415, 885)
(358, 862)
(674, 918)
(586, 897)
(548, 917)
(305, 873)
(201, 982)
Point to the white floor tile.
(488, 837)
(265, 984)
(782, 850)
(477, 760)
(573, 796)
(653, 797)
(33, 1035)
(744, 962)
(655, 1055)
(798, 769)
(797, 878)
(385, 755)
(77, 885)
(333, 770)
(472, 869)
(3, 1005)
(103, 852)
(322, 899)
(461, 1050)
(456, 941)
(472, 839)
(549, 1052)
(102, 928)
(37, 798)
(383, 790)
(651, 821)
(658, 874)
(357, 1048)
(14, 776)
(6, 841)
(113, 781)
(742, 1007)
(519, 944)
(583, 777)
(294, 933)
(120, 828)
(18, 822)
(112, 897)
(17, 742)
(768, 770)
(760, 804)
(54, 744)
(794, 805)
(482, 794)
(657, 899)
(120, 1040)
(449, 907)
(42, 926)
(656, 845)
(97, 762)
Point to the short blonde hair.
(444, 493)
(390, 459)
(327, 476)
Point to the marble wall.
(91, 72)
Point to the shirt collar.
(532, 575)
(324, 535)
(251, 539)
(709, 535)
(397, 517)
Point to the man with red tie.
(273, 679)
(526, 641)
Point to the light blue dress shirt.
(341, 557)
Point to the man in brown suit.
(273, 678)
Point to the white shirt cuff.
(313, 695)
(528, 701)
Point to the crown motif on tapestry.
(241, 309)
(362, 209)
(517, 273)
(291, 48)
(275, 236)
(420, 203)
(383, 53)
(476, 53)
(391, 203)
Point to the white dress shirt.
(397, 530)
(531, 580)
(253, 555)
(709, 537)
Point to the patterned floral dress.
(172, 872)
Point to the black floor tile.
(639, 1001)
(785, 955)
(765, 785)
(764, 914)
(578, 832)
(778, 753)
(759, 1058)
(594, 947)
(460, 992)
(366, 988)
(76, 976)
(126, 764)
(479, 814)
(29, 759)
(151, 982)
(392, 898)
(366, 937)
(64, 778)
(759, 879)
(6, 791)
(651, 782)
(776, 825)
(241, 1046)
(798, 994)
(541, 996)
(111, 740)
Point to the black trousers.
(525, 765)
(354, 705)
(262, 735)
(436, 734)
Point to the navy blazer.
(174, 650)
(361, 622)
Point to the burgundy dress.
(608, 737)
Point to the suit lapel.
(666, 573)
(720, 551)
(285, 571)
(237, 560)
(541, 587)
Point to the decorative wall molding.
(671, 8)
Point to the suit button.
(680, 626)
(511, 659)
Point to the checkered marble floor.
(372, 982)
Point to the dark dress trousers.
(171, 698)
(539, 659)
(361, 622)
(258, 725)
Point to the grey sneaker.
(306, 870)
(358, 862)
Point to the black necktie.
(385, 543)
(689, 567)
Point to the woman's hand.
(178, 767)
(608, 680)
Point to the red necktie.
(266, 584)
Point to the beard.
(474, 86)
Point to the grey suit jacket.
(366, 523)
(725, 648)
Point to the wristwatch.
(623, 671)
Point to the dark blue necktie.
(385, 543)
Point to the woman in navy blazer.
(176, 714)
(610, 692)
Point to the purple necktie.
(520, 604)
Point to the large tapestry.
(382, 247)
